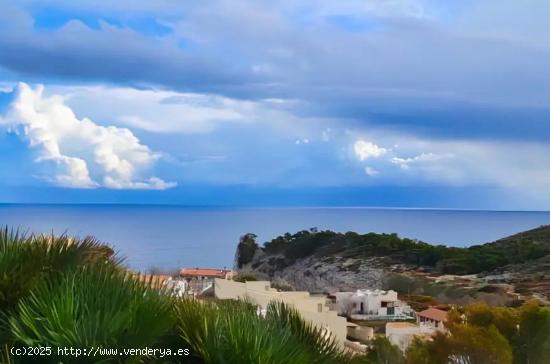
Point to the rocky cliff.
(327, 261)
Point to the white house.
(402, 334)
(373, 304)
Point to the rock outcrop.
(321, 274)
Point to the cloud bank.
(288, 93)
(82, 154)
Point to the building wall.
(225, 289)
(402, 336)
(258, 285)
(401, 339)
(312, 309)
(361, 333)
(337, 325)
(369, 301)
(424, 321)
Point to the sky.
(392, 103)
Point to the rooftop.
(433, 313)
(204, 272)
(400, 325)
(376, 292)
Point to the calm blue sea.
(173, 237)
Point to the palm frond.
(319, 340)
(95, 305)
(25, 259)
(233, 332)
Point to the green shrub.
(245, 276)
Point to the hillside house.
(201, 280)
(372, 304)
(432, 317)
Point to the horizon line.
(285, 207)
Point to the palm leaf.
(95, 305)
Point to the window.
(320, 307)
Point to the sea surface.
(171, 237)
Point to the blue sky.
(379, 103)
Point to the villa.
(428, 322)
(201, 280)
(372, 304)
(433, 317)
(204, 273)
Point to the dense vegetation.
(480, 334)
(477, 334)
(478, 258)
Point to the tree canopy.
(452, 260)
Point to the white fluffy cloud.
(404, 163)
(365, 150)
(418, 161)
(85, 154)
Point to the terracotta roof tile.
(204, 272)
(400, 325)
(434, 314)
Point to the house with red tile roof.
(204, 273)
(433, 317)
(201, 280)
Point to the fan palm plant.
(26, 260)
(233, 332)
(314, 337)
(93, 306)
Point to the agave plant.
(93, 306)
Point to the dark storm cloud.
(420, 73)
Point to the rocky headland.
(500, 272)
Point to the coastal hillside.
(327, 260)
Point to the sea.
(172, 237)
